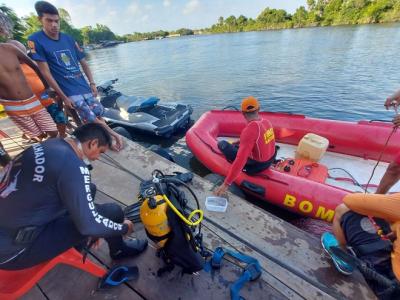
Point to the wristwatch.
(92, 83)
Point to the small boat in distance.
(307, 187)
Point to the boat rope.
(12, 139)
(378, 228)
(379, 158)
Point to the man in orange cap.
(256, 151)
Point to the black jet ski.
(143, 114)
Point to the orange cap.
(250, 104)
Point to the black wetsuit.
(46, 191)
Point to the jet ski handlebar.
(106, 85)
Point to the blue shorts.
(56, 113)
(88, 107)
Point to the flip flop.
(118, 275)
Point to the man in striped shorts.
(19, 102)
(53, 107)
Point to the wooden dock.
(294, 264)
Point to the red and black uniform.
(256, 151)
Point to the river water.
(332, 72)
(341, 72)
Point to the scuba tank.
(170, 224)
(153, 212)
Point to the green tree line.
(25, 26)
(317, 13)
(138, 36)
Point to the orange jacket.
(35, 84)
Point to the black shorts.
(359, 231)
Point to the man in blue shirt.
(58, 57)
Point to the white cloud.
(144, 18)
(134, 8)
(191, 7)
(148, 6)
(166, 3)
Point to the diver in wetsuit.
(47, 202)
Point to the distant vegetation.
(137, 36)
(24, 27)
(317, 13)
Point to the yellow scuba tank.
(168, 223)
(153, 213)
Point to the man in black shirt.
(47, 202)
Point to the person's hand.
(130, 227)
(392, 101)
(221, 190)
(396, 121)
(96, 245)
(94, 89)
(59, 102)
(52, 93)
(119, 143)
(68, 103)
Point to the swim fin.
(118, 275)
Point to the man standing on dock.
(20, 104)
(58, 57)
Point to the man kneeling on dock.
(47, 202)
(256, 151)
(369, 225)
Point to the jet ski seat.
(132, 103)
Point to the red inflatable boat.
(309, 188)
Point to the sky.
(128, 16)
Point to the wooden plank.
(274, 275)
(296, 253)
(34, 294)
(211, 285)
(211, 241)
(65, 282)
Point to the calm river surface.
(333, 72)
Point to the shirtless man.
(19, 102)
(51, 102)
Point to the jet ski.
(142, 114)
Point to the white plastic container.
(214, 203)
(312, 147)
